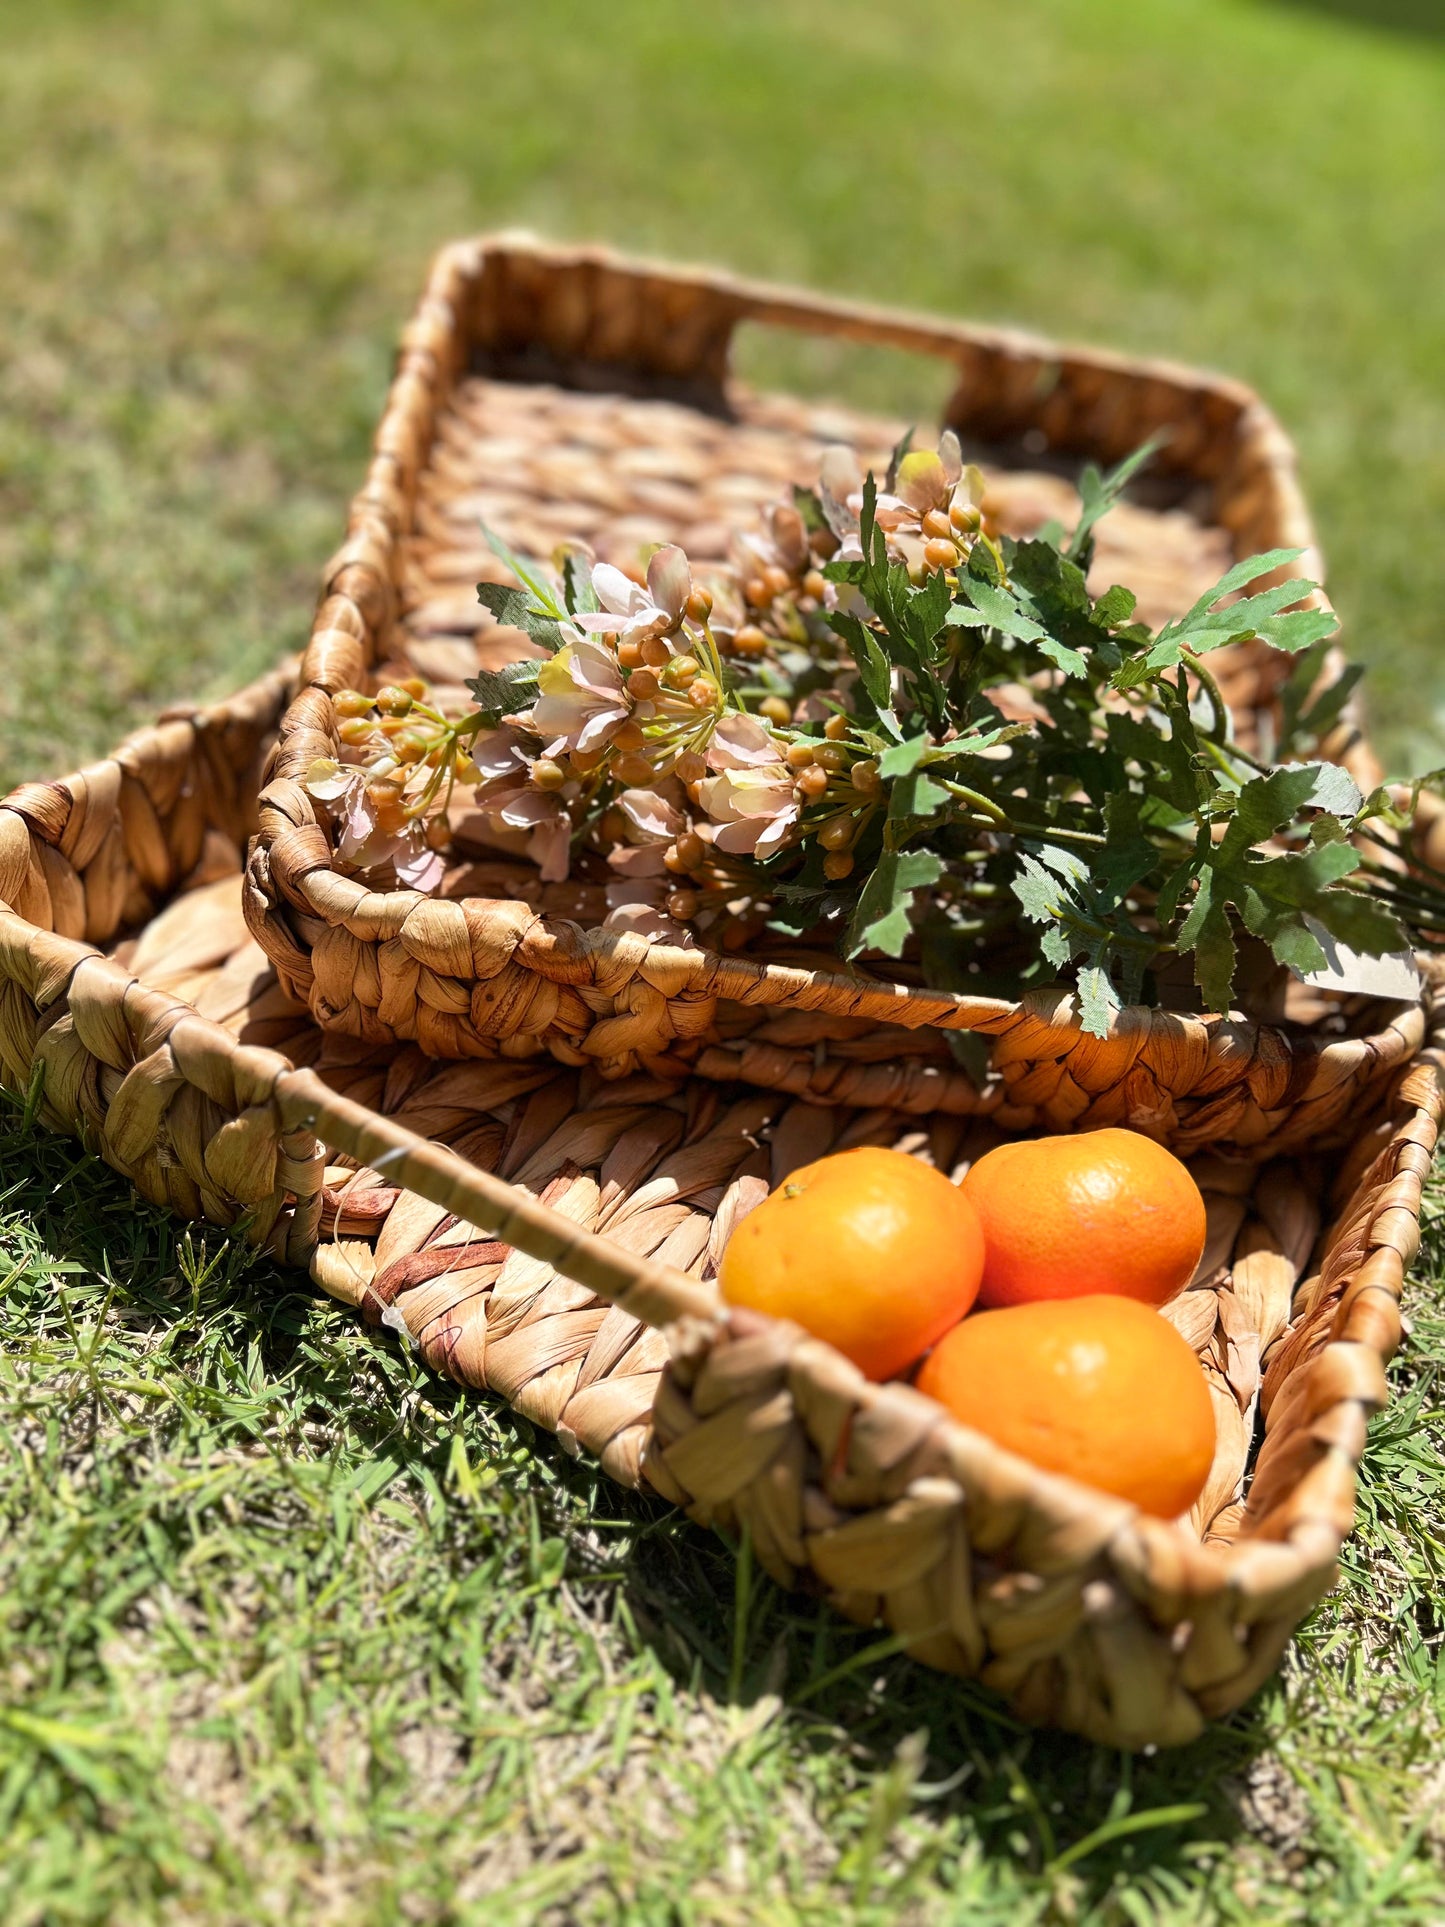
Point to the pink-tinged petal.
(599, 726)
(738, 839)
(328, 782)
(550, 848)
(950, 453)
(650, 813)
(597, 623)
(839, 472)
(360, 824)
(595, 668)
(527, 808)
(422, 870)
(617, 593)
(776, 834)
(891, 511)
(790, 538)
(642, 861)
(669, 580)
(739, 741)
(923, 481)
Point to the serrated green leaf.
(995, 607)
(577, 591)
(881, 920)
(503, 692)
(1098, 493)
(1071, 661)
(526, 573)
(1115, 607)
(1098, 1000)
(514, 608)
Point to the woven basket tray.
(550, 1234)
(561, 394)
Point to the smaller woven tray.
(550, 1235)
(556, 393)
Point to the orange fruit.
(1102, 1389)
(871, 1250)
(1065, 1217)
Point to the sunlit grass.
(288, 1628)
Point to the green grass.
(214, 217)
(289, 1629)
(294, 1630)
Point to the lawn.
(293, 1630)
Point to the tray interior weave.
(665, 1171)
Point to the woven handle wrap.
(655, 1294)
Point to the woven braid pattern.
(669, 450)
(550, 1236)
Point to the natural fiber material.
(550, 1235)
(561, 393)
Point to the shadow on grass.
(1425, 17)
(1046, 1803)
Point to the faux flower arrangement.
(888, 727)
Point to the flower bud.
(800, 755)
(775, 710)
(690, 767)
(642, 685)
(355, 731)
(628, 736)
(392, 701)
(634, 769)
(864, 777)
(750, 640)
(655, 652)
(629, 654)
(835, 727)
(777, 581)
(413, 746)
(702, 693)
(351, 702)
(691, 850)
(756, 592)
(812, 783)
(837, 833)
(680, 671)
(832, 756)
(936, 523)
(964, 516)
(837, 864)
(815, 584)
(940, 555)
(548, 773)
(683, 904)
(699, 605)
(414, 687)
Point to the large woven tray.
(550, 1235)
(561, 393)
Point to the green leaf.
(988, 604)
(1098, 493)
(1115, 607)
(1266, 615)
(577, 590)
(809, 505)
(502, 692)
(881, 920)
(526, 573)
(515, 608)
